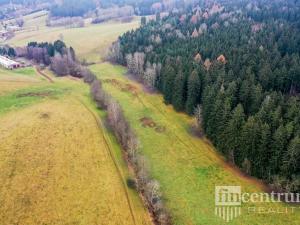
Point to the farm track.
(108, 147)
(44, 75)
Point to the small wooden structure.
(8, 63)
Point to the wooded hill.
(236, 63)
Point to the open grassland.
(90, 42)
(58, 163)
(21, 78)
(187, 167)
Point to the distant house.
(6, 34)
(8, 63)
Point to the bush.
(131, 183)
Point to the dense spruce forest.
(234, 65)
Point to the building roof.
(7, 62)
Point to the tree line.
(239, 69)
(60, 58)
(62, 61)
(126, 137)
(7, 51)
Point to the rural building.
(6, 34)
(8, 63)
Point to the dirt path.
(44, 75)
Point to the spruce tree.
(178, 91)
(168, 83)
(193, 92)
(232, 133)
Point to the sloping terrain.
(187, 167)
(89, 42)
(58, 164)
(13, 80)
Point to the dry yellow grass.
(56, 169)
(90, 42)
(13, 80)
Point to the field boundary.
(44, 75)
(100, 126)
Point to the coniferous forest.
(236, 65)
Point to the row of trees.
(72, 8)
(242, 74)
(7, 51)
(62, 60)
(147, 186)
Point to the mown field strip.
(188, 168)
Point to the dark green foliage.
(59, 46)
(168, 82)
(193, 92)
(250, 104)
(178, 91)
(131, 183)
(7, 51)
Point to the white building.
(8, 63)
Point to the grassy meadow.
(59, 165)
(90, 42)
(187, 167)
(62, 166)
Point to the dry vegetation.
(62, 173)
(187, 167)
(90, 42)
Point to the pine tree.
(279, 143)
(261, 161)
(291, 161)
(193, 92)
(249, 142)
(232, 133)
(168, 82)
(178, 91)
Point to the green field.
(59, 163)
(90, 42)
(188, 168)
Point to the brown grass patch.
(148, 122)
(125, 87)
(35, 94)
(44, 116)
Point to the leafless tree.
(114, 54)
(59, 64)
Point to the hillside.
(187, 168)
(238, 65)
(149, 117)
(58, 161)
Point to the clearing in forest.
(188, 168)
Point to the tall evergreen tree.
(168, 82)
(179, 91)
(193, 92)
(232, 133)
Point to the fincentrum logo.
(229, 199)
(228, 202)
